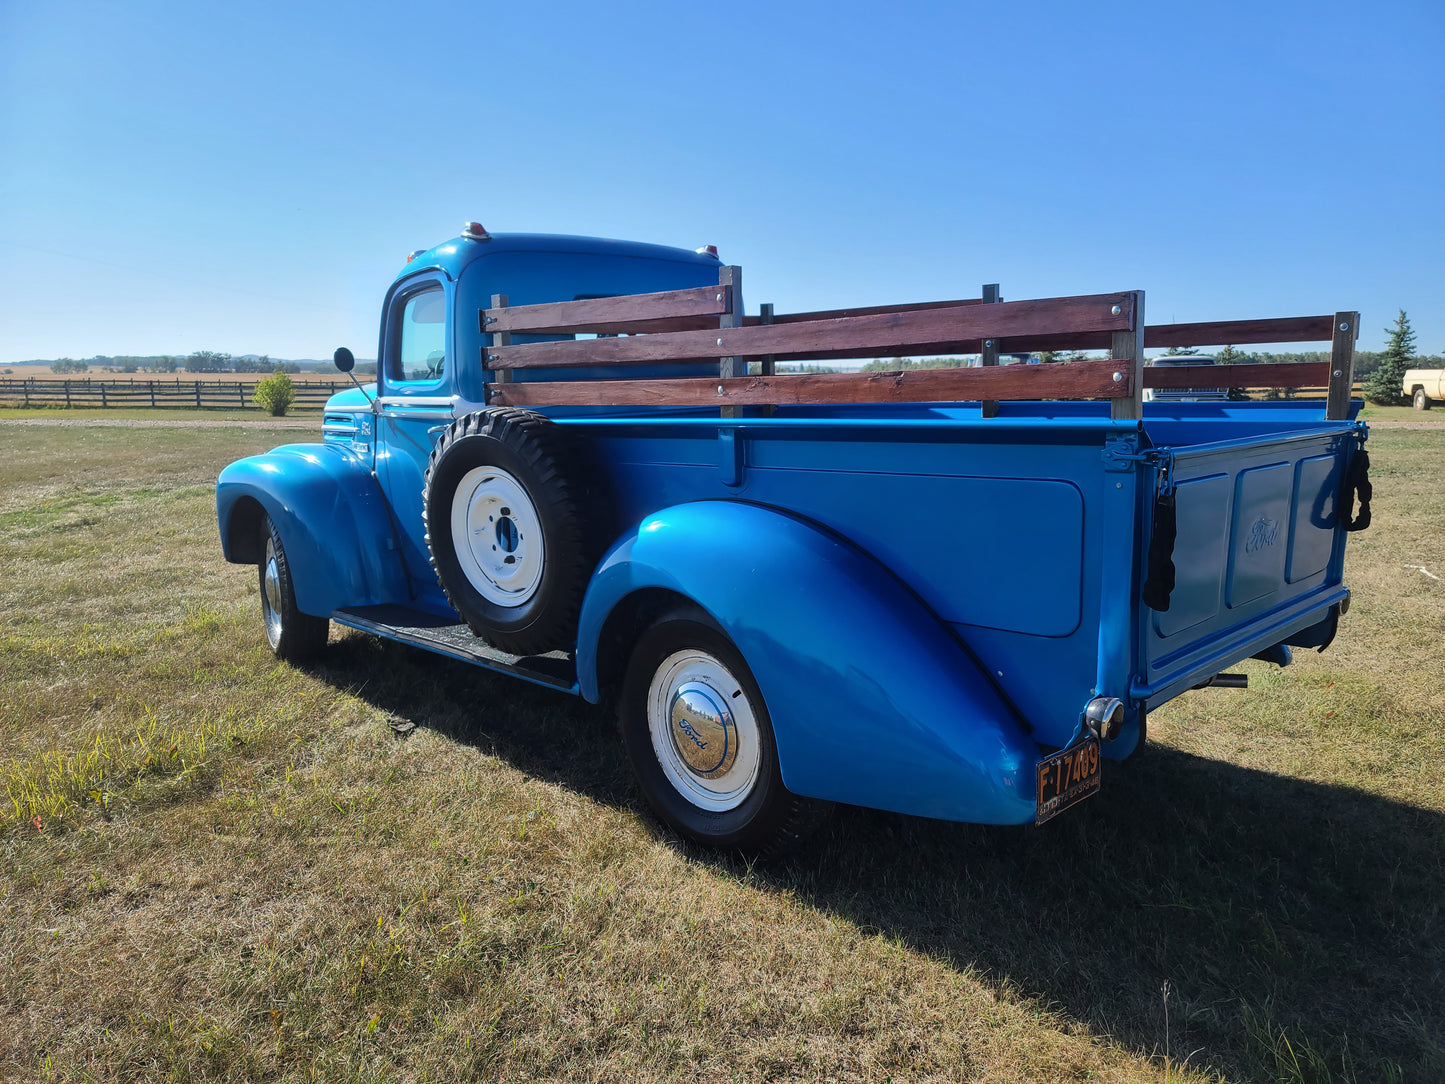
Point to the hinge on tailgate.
(1123, 455)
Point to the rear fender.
(873, 701)
(332, 518)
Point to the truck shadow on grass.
(1298, 926)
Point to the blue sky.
(249, 177)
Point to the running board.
(555, 670)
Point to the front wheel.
(701, 741)
(1422, 401)
(293, 635)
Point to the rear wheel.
(701, 742)
(1422, 401)
(293, 635)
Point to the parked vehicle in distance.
(1183, 394)
(1423, 387)
(950, 593)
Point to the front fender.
(873, 701)
(332, 518)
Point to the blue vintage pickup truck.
(947, 593)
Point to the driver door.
(416, 378)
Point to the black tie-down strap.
(1357, 483)
(1159, 584)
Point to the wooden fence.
(203, 394)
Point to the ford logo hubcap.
(703, 730)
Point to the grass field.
(221, 868)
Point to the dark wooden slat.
(861, 310)
(939, 348)
(1292, 329)
(887, 331)
(698, 323)
(1346, 327)
(1081, 380)
(605, 315)
(1314, 374)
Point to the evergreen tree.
(1386, 383)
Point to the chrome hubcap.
(704, 731)
(271, 595)
(497, 535)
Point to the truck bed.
(1022, 534)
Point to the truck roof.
(453, 255)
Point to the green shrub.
(276, 393)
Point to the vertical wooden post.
(989, 407)
(1342, 365)
(198, 394)
(1127, 349)
(241, 394)
(500, 338)
(768, 365)
(67, 395)
(731, 365)
(103, 403)
(152, 385)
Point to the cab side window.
(418, 353)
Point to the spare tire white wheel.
(505, 530)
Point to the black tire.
(750, 810)
(293, 635)
(519, 585)
(1422, 401)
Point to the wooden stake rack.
(705, 324)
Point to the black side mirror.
(345, 360)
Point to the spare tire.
(504, 529)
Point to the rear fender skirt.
(872, 699)
(333, 523)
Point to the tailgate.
(1258, 556)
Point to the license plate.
(1067, 778)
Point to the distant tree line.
(118, 364)
(209, 361)
(202, 361)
